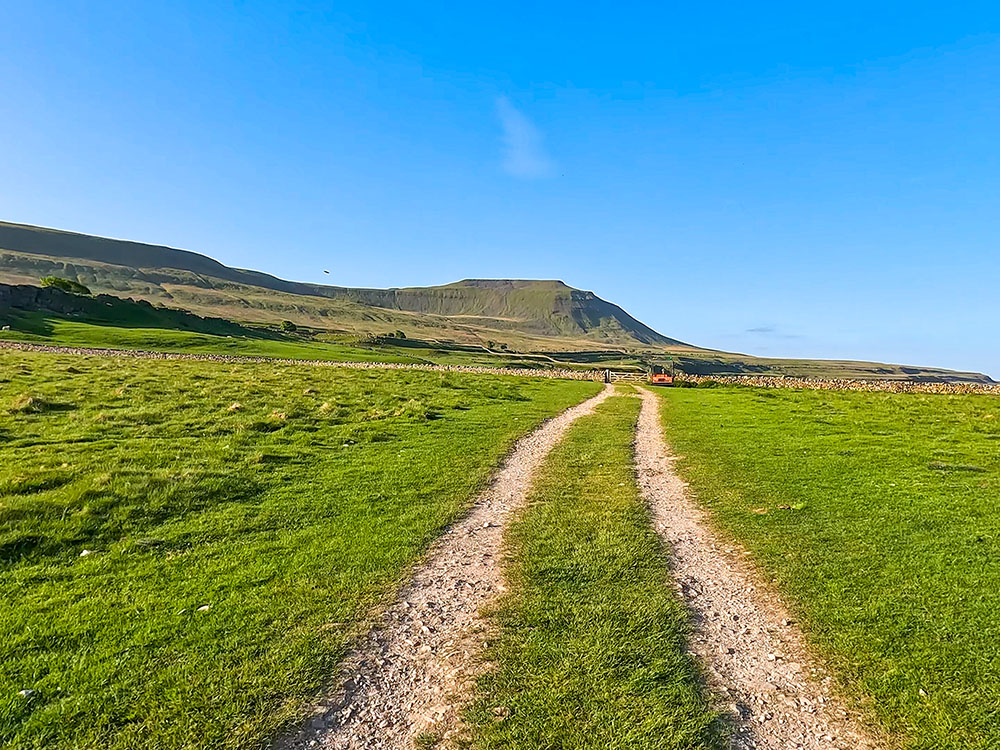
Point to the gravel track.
(773, 691)
(414, 671)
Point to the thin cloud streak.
(770, 331)
(524, 154)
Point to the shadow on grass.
(131, 507)
(27, 403)
(112, 312)
(941, 466)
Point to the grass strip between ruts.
(589, 651)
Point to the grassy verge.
(239, 520)
(876, 514)
(38, 328)
(590, 637)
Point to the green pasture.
(877, 516)
(186, 547)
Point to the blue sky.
(786, 179)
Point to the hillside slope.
(535, 308)
(546, 320)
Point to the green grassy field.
(240, 519)
(38, 328)
(41, 328)
(589, 649)
(876, 514)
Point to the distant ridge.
(544, 308)
(546, 320)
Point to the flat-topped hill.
(536, 308)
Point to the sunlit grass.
(186, 546)
(589, 651)
(877, 515)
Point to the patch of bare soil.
(410, 677)
(774, 692)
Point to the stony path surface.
(411, 674)
(775, 694)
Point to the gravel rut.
(412, 673)
(775, 695)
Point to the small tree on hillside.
(66, 285)
(288, 326)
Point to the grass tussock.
(26, 403)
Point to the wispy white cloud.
(523, 151)
(771, 331)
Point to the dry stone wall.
(754, 381)
(230, 359)
(844, 384)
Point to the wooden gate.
(619, 376)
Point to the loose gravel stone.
(413, 674)
(774, 692)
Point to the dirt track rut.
(413, 671)
(776, 695)
(412, 674)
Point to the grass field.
(589, 649)
(876, 514)
(38, 328)
(128, 325)
(239, 519)
(41, 328)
